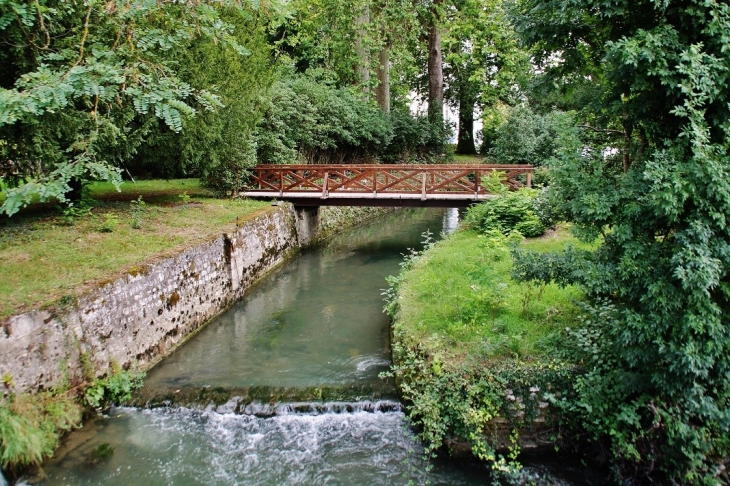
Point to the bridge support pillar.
(307, 223)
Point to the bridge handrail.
(393, 166)
(382, 178)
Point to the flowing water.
(316, 322)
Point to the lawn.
(468, 159)
(460, 297)
(48, 253)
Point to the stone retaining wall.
(139, 318)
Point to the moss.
(173, 300)
(99, 454)
(138, 270)
(202, 397)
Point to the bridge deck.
(444, 185)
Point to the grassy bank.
(47, 253)
(462, 292)
(478, 355)
(32, 424)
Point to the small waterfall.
(264, 410)
(3, 482)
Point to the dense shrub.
(311, 122)
(218, 146)
(545, 208)
(526, 137)
(414, 139)
(510, 211)
(307, 121)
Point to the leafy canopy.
(85, 82)
(660, 395)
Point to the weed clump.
(32, 424)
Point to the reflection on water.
(317, 321)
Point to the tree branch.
(84, 35)
(602, 130)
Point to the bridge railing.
(442, 179)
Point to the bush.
(545, 208)
(414, 139)
(311, 122)
(228, 175)
(217, 146)
(526, 137)
(114, 389)
(511, 211)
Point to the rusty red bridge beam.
(445, 185)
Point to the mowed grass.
(46, 255)
(461, 298)
(468, 159)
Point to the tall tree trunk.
(382, 92)
(362, 70)
(465, 145)
(435, 66)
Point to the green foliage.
(339, 43)
(31, 426)
(414, 139)
(84, 84)
(663, 405)
(139, 209)
(312, 122)
(483, 63)
(449, 398)
(109, 223)
(218, 146)
(545, 209)
(510, 211)
(72, 212)
(114, 389)
(527, 137)
(474, 351)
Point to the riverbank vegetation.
(32, 424)
(478, 355)
(622, 107)
(48, 257)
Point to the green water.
(315, 322)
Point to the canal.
(314, 324)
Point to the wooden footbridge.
(442, 185)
